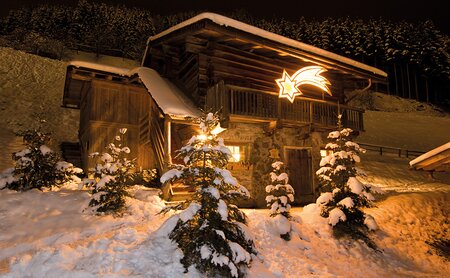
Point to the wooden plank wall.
(196, 64)
(105, 108)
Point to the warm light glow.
(218, 129)
(235, 153)
(202, 137)
(324, 152)
(304, 76)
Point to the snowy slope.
(48, 235)
(32, 86)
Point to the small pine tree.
(280, 195)
(111, 177)
(343, 204)
(211, 230)
(37, 166)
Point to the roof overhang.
(257, 40)
(437, 159)
(167, 96)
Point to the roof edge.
(229, 22)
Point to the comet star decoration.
(304, 76)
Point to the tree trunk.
(396, 79)
(408, 80)
(415, 84)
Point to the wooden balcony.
(258, 106)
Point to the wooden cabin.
(214, 62)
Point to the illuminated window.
(324, 152)
(235, 153)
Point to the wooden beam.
(301, 54)
(167, 142)
(436, 164)
(434, 160)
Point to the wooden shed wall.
(104, 109)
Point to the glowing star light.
(304, 76)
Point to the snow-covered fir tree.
(211, 230)
(37, 166)
(111, 178)
(279, 196)
(343, 204)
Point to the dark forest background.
(415, 55)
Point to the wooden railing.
(260, 105)
(390, 150)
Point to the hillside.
(31, 87)
(402, 123)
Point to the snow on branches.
(346, 195)
(111, 177)
(37, 166)
(210, 230)
(279, 196)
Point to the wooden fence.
(383, 150)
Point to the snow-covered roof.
(99, 67)
(430, 154)
(228, 22)
(168, 97)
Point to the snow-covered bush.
(279, 196)
(111, 177)
(37, 166)
(343, 204)
(211, 229)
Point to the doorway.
(299, 166)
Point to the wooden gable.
(199, 55)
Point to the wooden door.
(300, 173)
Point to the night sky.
(409, 10)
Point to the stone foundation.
(253, 171)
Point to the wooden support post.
(167, 141)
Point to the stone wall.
(253, 173)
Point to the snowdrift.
(50, 234)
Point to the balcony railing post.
(278, 116)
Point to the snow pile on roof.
(222, 20)
(168, 97)
(99, 67)
(112, 61)
(47, 234)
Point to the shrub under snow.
(343, 204)
(37, 166)
(111, 178)
(279, 196)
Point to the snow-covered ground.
(49, 234)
